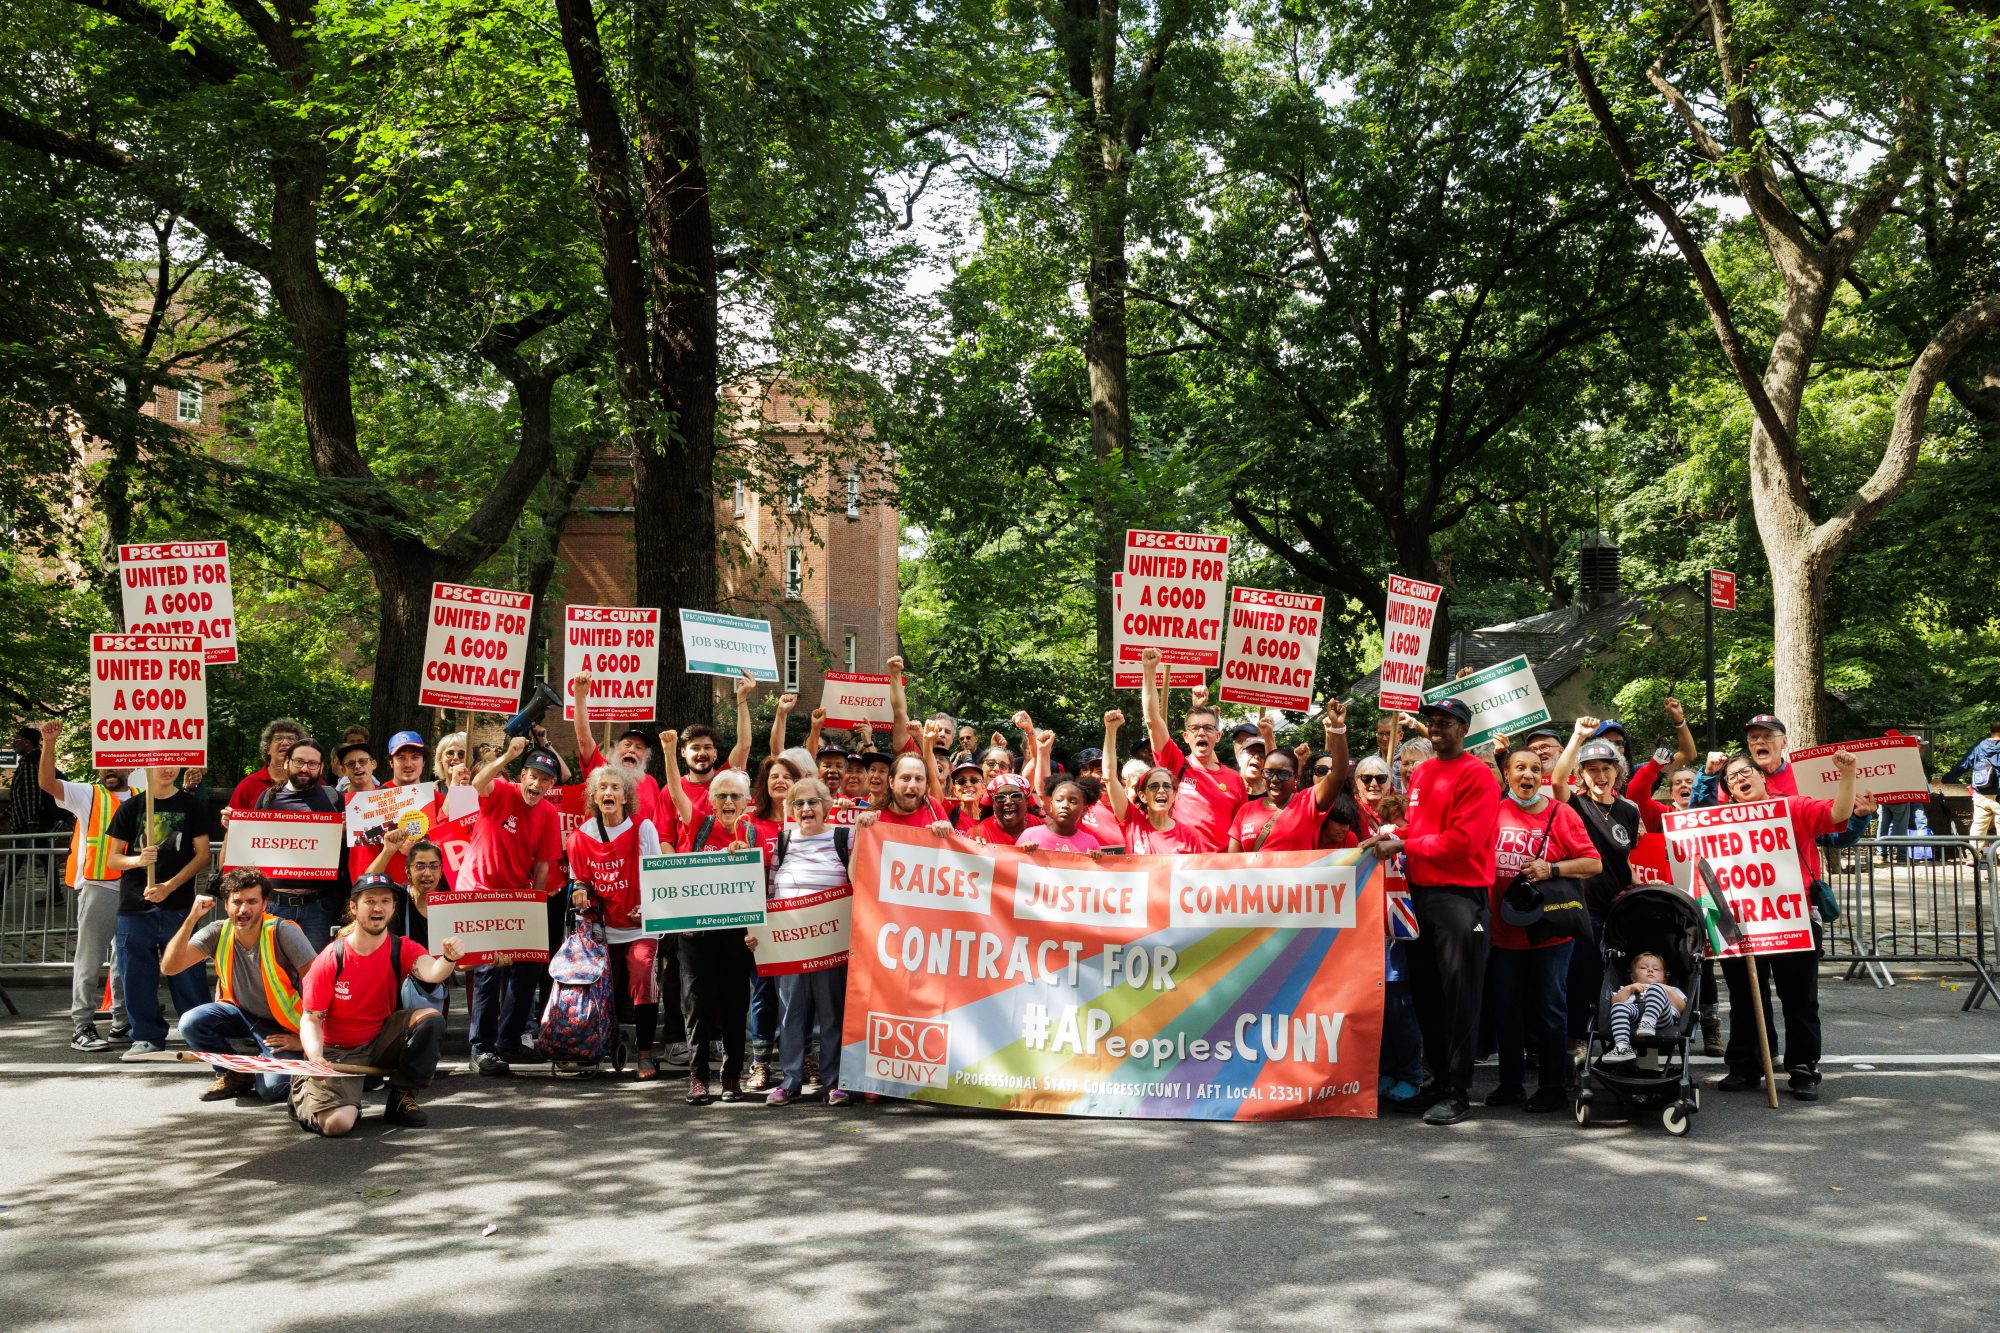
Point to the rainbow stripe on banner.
(1225, 987)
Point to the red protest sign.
(454, 840)
(1889, 768)
(620, 647)
(148, 701)
(1406, 641)
(1272, 648)
(1126, 672)
(475, 649)
(180, 588)
(1174, 587)
(1722, 590)
(1750, 847)
(851, 698)
(805, 934)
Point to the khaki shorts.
(314, 1097)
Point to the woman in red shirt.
(1541, 839)
(604, 854)
(1148, 822)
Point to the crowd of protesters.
(352, 976)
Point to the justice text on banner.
(716, 645)
(620, 647)
(701, 891)
(180, 588)
(1407, 623)
(492, 926)
(1244, 987)
(1272, 649)
(1503, 698)
(475, 648)
(294, 844)
(851, 698)
(1889, 768)
(148, 701)
(805, 934)
(1749, 846)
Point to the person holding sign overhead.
(159, 846)
(633, 753)
(515, 845)
(1207, 793)
(715, 964)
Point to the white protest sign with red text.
(1406, 641)
(1174, 587)
(498, 926)
(148, 701)
(851, 699)
(1749, 846)
(1889, 768)
(1126, 671)
(1273, 649)
(1722, 590)
(805, 934)
(292, 844)
(476, 648)
(180, 588)
(620, 647)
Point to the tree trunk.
(1104, 354)
(403, 599)
(1799, 573)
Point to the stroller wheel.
(1675, 1119)
(1581, 1110)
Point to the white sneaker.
(679, 1055)
(1618, 1055)
(1647, 1027)
(139, 1048)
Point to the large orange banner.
(1225, 987)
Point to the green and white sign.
(727, 645)
(701, 891)
(1501, 698)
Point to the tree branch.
(202, 58)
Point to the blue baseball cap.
(1607, 725)
(404, 740)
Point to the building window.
(188, 408)
(795, 494)
(850, 652)
(742, 500)
(795, 571)
(854, 495)
(791, 664)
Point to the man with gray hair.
(274, 744)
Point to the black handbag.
(1549, 909)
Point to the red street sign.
(1722, 590)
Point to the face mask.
(1525, 802)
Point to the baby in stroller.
(1646, 1002)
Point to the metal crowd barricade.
(37, 909)
(1916, 901)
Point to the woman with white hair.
(813, 860)
(715, 964)
(604, 857)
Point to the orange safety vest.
(281, 997)
(90, 844)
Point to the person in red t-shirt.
(1007, 793)
(633, 753)
(275, 744)
(1062, 830)
(1148, 823)
(1541, 839)
(1319, 816)
(1208, 794)
(348, 1015)
(604, 855)
(515, 845)
(910, 804)
(1448, 848)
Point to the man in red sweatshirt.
(1448, 847)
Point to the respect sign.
(1406, 641)
(1211, 987)
(148, 701)
(1173, 596)
(620, 647)
(701, 891)
(1889, 768)
(1272, 651)
(496, 926)
(805, 934)
(851, 699)
(475, 649)
(716, 645)
(1503, 699)
(180, 588)
(1749, 846)
(1126, 671)
(290, 844)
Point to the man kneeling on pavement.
(259, 962)
(350, 1015)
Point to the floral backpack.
(580, 1021)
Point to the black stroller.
(1659, 919)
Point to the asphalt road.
(129, 1205)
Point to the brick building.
(809, 539)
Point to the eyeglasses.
(1204, 730)
(1280, 775)
(1321, 770)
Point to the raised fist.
(1114, 719)
(1674, 713)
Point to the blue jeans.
(502, 996)
(766, 1011)
(812, 1002)
(308, 910)
(142, 940)
(1531, 998)
(1402, 1042)
(217, 1027)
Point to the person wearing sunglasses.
(1147, 819)
(1287, 819)
(1208, 794)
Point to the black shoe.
(1545, 1100)
(402, 1109)
(1738, 1081)
(119, 1036)
(698, 1093)
(732, 1088)
(1404, 1105)
(491, 1065)
(1506, 1095)
(1448, 1110)
(1805, 1090)
(517, 1054)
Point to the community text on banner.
(1407, 623)
(1272, 649)
(180, 588)
(1889, 768)
(294, 844)
(475, 648)
(148, 701)
(714, 645)
(1749, 846)
(620, 647)
(808, 933)
(1503, 699)
(1218, 987)
(701, 891)
(492, 925)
